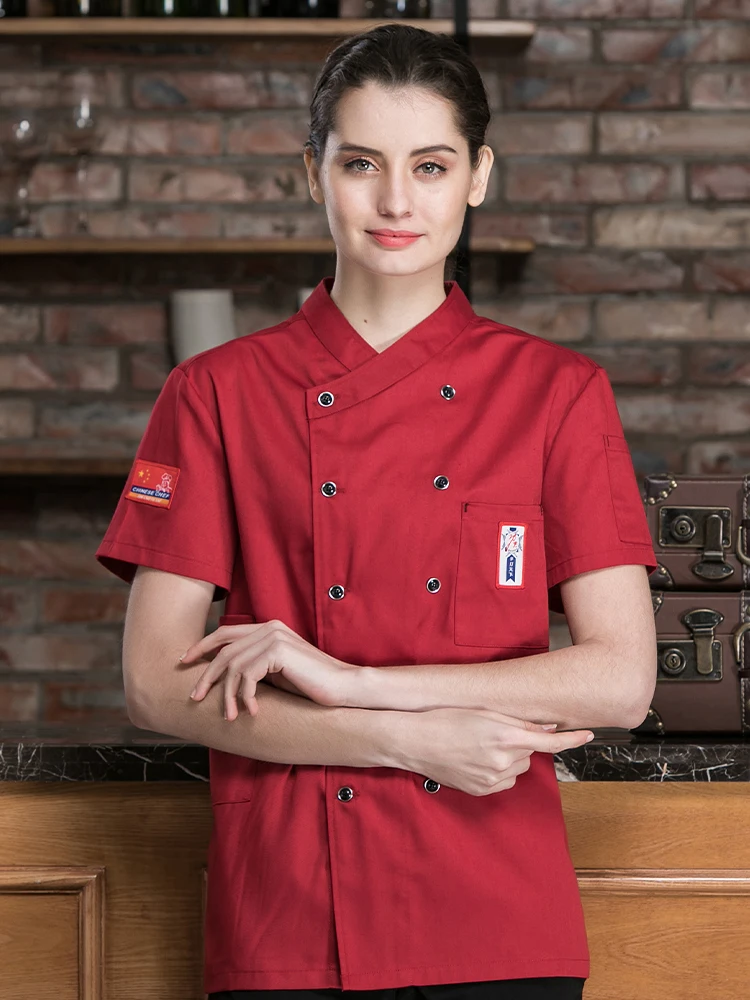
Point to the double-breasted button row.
(346, 794)
(329, 489)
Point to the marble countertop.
(111, 752)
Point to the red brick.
(47, 652)
(104, 325)
(257, 315)
(19, 324)
(34, 88)
(649, 365)
(23, 55)
(311, 223)
(102, 422)
(601, 272)
(552, 44)
(16, 418)
(718, 458)
(149, 369)
(88, 369)
(175, 137)
(652, 319)
(721, 181)
(149, 182)
(266, 88)
(43, 559)
(596, 8)
(597, 87)
(560, 320)
(17, 604)
(539, 134)
(707, 43)
(731, 319)
(592, 182)
(262, 134)
(722, 8)
(93, 703)
(720, 89)
(19, 701)
(721, 272)
(672, 227)
(136, 223)
(71, 605)
(53, 182)
(545, 228)
(719, 365)
(674, 132)
(687, 412)
(76, 448)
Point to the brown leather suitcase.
(699, 529)
(703, 656)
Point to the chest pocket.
(501, 577)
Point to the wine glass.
(23, 142)
(80, 131)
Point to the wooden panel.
(664, 873)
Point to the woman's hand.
(248, 653)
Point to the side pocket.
(627, 502)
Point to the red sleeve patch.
(152, 483)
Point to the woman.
(386, 479)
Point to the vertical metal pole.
(463, 259)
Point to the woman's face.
(373, 177)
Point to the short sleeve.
(176, 510)
(593, 510)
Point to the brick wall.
(621, 136)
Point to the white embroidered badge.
(510, 546)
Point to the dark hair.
(399, 55)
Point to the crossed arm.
(606, 678)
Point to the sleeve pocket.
(627, 502)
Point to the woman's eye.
(351, 165)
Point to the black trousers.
(538, 988)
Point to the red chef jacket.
(415, 505)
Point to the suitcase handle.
(736, 637)
(741, 548)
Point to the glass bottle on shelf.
(397, 8)
(88, 8)
(222, 8)
(12, 8)
(163, 8)
(300, 8)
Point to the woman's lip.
(393, 241)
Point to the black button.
(345, 794)
(328, 489)
(433, 585)
(431, 785)
(336, 592)
(325, 398)
(441, 482)
(447, 392)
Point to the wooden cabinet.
(102, 888)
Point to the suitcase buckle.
(697, 658)
(706, 528)
(742, 671)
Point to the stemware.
(23, 142)
(80, 131)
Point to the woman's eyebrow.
(349, 147)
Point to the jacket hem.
(218, 979)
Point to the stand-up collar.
(370, 371)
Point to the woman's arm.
(166, 614)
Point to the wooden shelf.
(117, 467)
(81, 245)
(319, 27)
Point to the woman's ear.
(313, 178)
(480, 176)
